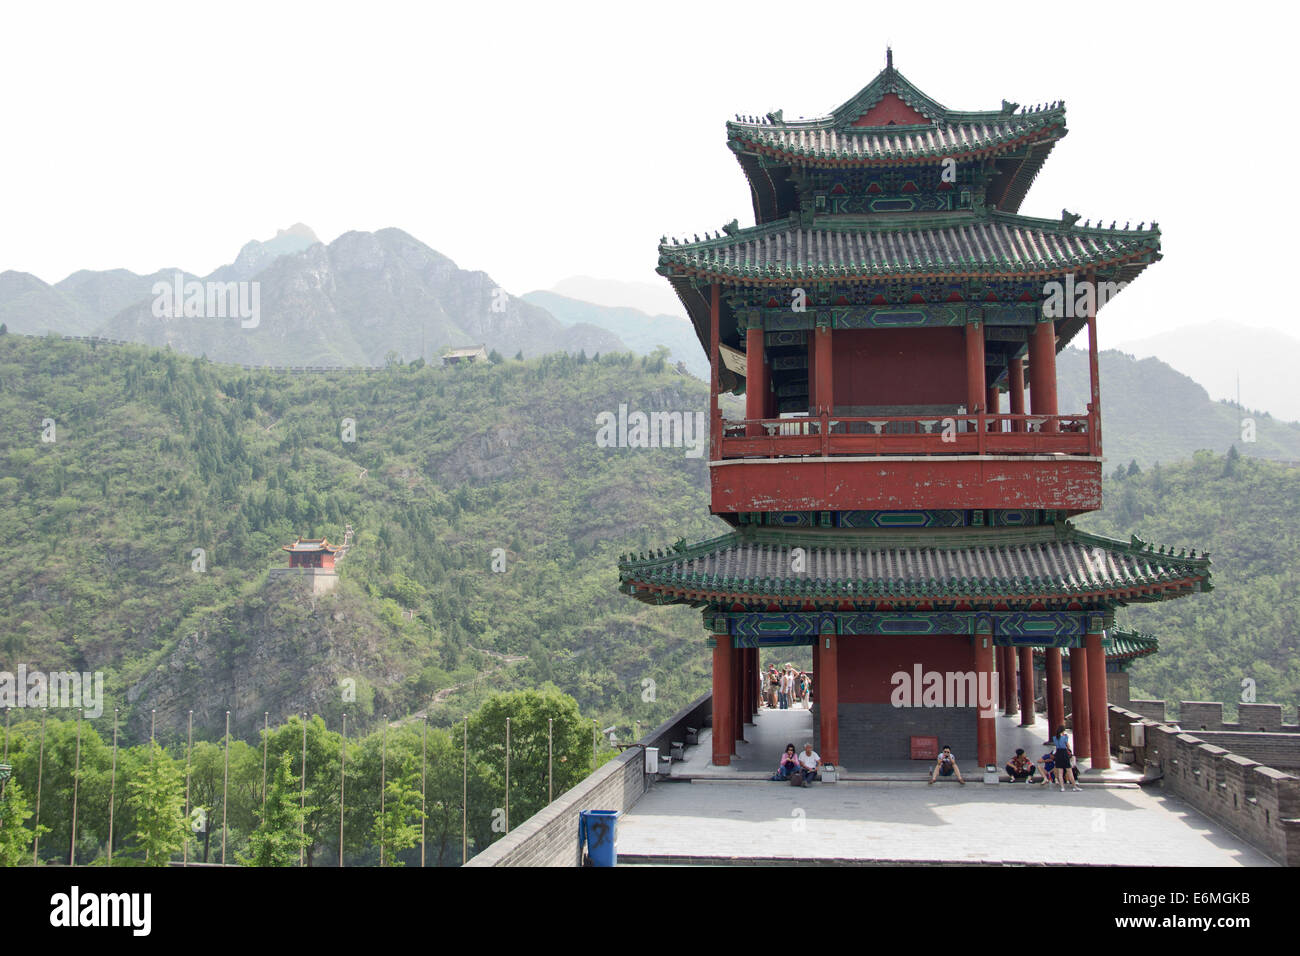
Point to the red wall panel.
(867, 664)
(899, 366)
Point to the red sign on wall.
(925, 748)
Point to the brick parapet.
(1259, 803)
(550, 836)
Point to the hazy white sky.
(537, 141)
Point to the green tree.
(397, 826)
(529, 711)
(158, 799)
(323, 754)
(15, 838)
(279, 839)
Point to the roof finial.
(889, 58)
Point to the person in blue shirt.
(1062, 761)
(1048, 763)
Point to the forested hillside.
(1245, 513)
(155, 455)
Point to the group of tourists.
(1056, 765)
(786, 688)
(799, 769)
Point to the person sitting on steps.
(789, 764)
(946, 766)
(809, 762)
(1020, 768)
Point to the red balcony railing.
(978, 434)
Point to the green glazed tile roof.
(1126, 645)
(821, 143)
(1014, 565)
(946, 246)
(1123, 646)
(1017, 139)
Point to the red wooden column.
(828, 719)
(817, 687)
(812, 372)
(986, 728)
(742, 692)
(1098, 713)
(1094, 407)
(723, 714)
(1013, 687)
(1042, 372)
(1000, 661)
(755, 380)
(1080, 703)
(976, 394)
(747, 695)
(751, 679)
(1055, 688)
(715, 416)
(993, 405)
(1026, 686)
(823, 391)
(1016, 388)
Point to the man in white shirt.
(946, 766)
(809, 761)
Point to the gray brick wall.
(1279, 750)
(1155, 709)
(1259, 803)
(1195, 714)
(883, 732)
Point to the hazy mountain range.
(365, 296)
(354, 301)
(1225, 356)
(641, 332)
(652, 298)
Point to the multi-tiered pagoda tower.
(887, 510)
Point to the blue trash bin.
(596, 832)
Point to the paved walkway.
(740, 820)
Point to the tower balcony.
(837, 462)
